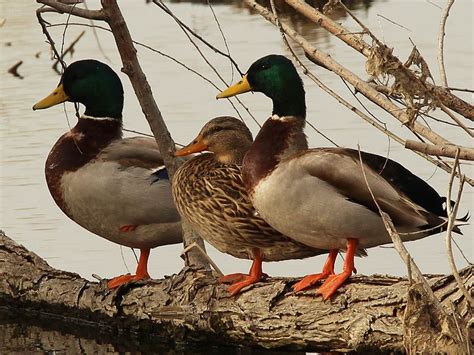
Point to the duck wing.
(129, 176)
(389, 182)
(411, 185)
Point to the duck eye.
(216, 129)
(264, 66)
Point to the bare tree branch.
(71, 9)
(356, 41)
(452, 212)
(367, 317)
(442, 33)
(440, 150)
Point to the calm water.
(28, 213)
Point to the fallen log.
(191, 307)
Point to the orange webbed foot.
(239, 281)
(247, 281)
(332, 283)
(232, 278)
(123, 279)
(236, 277)
(328, 270)
(309, 281)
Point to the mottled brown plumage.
(211, 195)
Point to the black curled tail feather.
(465, 218)
(462, 220)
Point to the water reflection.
(51, 336)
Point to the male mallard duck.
(116, 188)
(319, 196)
(209, 193)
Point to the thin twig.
(455, 119)
(468, 262)
(305, 69)
(204, 254)
(459, 89)
(50, 41)
(223, 38)
(432, 3)
(186, 31)
(442, 33)
(393, 22)
(162, 6)
(451, 223)
(96, 36)
(70, 48)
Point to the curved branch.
(442, 33)
(68, 9)
(447, 98)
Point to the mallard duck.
(114, 187)
(319, 197)
(209, 193)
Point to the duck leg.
(328, 270)
(254, 275)
(238, 276)
(333, 282)
(140, 274)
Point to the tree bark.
(368, 314)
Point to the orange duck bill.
(195, 146)
(332, 281)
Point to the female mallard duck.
(319, 197)
(111, 186)
(209, 193)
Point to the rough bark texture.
(367, 315)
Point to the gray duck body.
(323, 198)
(104, 182)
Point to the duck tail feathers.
(461, 222)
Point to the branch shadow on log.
(192, 308)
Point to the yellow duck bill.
(239, 88)
(56, 97)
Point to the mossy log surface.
(191, 307)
